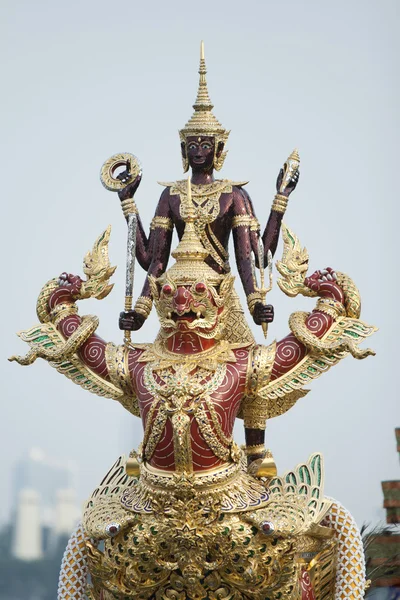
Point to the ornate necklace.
(162, 358)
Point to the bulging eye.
(192, 146)
(167, 289)
(200, 287)
(206, 146)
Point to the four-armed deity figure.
(190, 515)
(221, 206)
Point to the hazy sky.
(83, 80)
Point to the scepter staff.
(130, 262)
(115, 184)
(262, 289)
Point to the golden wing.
(282, 393)
(46, 341)
(297, 504)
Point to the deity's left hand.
(263, 313)
(291, 186)
(324, 283)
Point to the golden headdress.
(203, 121)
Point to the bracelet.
(143, 306)
(280, 203)
(128, 207)
(61, 311)
(252, 450)
(245, 221)
(252, 300)
(331, 307)
(162, 222)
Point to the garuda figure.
(190, 515)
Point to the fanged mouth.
(187, 316)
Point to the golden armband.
(252, 300)
(61, 311)
(331, 307)
(253, 450)
(280, 203)
(128, 207)
(143, 306)
(255, 409)
(245, 221)
(162, 222)
(117, 367)
(118, 372)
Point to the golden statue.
(189, 515)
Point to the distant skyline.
(45, 475)
(82, 81)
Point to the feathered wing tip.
(306, 480)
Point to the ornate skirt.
(220, 535)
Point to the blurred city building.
(43, 517)
(44, 501)
(383, 547)
(28, 529)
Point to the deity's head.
(203, 138)
(191, 296)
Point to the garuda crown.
(209, 291)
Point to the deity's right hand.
(130, 320)
(263, 313)
(129, 190)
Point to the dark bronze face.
(200, 152)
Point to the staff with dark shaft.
(116, 183)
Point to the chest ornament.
(182, 393)
(205, 202)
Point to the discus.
(123, 159)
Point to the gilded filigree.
(206, 206)
(179, 392)
(184, 542)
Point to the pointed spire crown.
(203, 101)
(203, 121)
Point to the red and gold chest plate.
(188, 408)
